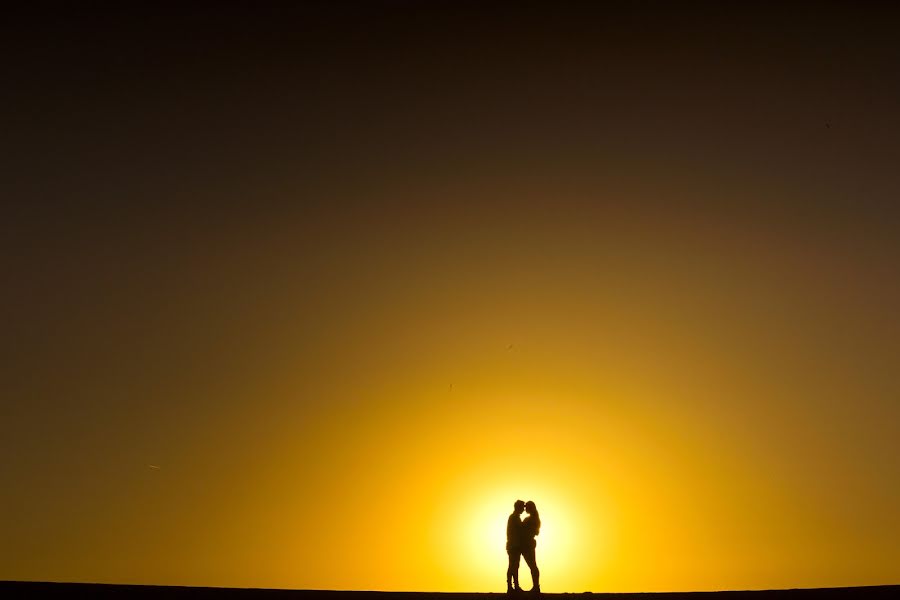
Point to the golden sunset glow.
(563, 543)
(306, 295)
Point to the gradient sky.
(354, 277)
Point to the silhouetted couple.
(520, 542)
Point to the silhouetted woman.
(531, 526)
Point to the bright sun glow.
(561, 545)
(484, 538)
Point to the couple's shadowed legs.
(520, 543)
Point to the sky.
(306, 296)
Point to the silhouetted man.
(514, 546)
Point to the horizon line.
(523, 595)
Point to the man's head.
(519, 507)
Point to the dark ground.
(17, 589)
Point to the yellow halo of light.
(478, 542)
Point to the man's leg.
(512, 572)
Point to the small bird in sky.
(154, 467)
(509, 347)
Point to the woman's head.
(533, 519)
